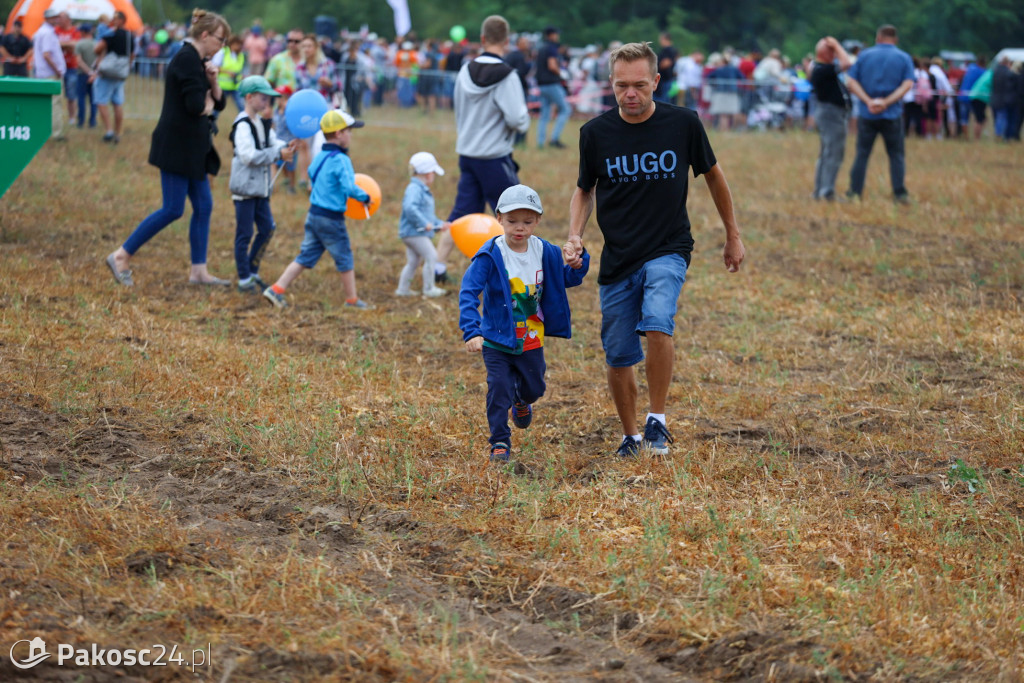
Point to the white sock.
(246, 281)
(660, 417)
(440, 268)
(635, 437)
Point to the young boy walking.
(257, 148)
(523, 280)
(332, 182)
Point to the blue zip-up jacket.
(335, 182)
(418, 211)
(487, 274)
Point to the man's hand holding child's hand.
(572, 252)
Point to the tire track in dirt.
(268, 509)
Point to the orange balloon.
(471, 231)
(355, 208)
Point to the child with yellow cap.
(332, 182)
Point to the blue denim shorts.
(325, 234)
(106, 91)
(644, 301)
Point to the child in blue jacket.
(332, 182)
(418, 224)
(523, 280)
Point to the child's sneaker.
(656, 437)
(404, 292)
(359, 304)
(434, 292)
(522, 415)
(629, 448)
(259, 281)
(249, 285)
(500, 453)
(273, 297)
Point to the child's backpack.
(256, 138)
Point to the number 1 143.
(15, 132)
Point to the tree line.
(926, 26)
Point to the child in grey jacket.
(418, 224)
(257, 148)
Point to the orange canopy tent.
(31, 12)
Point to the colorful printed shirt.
(310, 79)
(281, 71)
(526, 280)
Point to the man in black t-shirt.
(831, 114)
(666, 68)
(548, 73)
(15, 51)
(521, 59)
(634, 162)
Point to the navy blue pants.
(249, 251)
(511, 378)
(480, 181)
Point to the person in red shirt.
(69, 35)
(748, 63)
(747, 66)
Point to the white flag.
(403, 24)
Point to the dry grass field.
(305, 495)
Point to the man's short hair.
(633, 52)
(887, 31)
(494, 30)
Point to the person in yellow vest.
(232, 70)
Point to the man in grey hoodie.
(490, 109)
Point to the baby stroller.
(768, 111)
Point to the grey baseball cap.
(519, 197)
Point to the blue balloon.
(303, 112)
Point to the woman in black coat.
(182, 148)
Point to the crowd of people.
(730, 89)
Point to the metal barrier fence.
(378, 86)
(144, 89)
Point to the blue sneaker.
(359, 304)
(656, 437)
(629, 448)
(522, 415)
(500, 452)
(273, 297)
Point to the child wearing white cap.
(418, 224)
(523, 280)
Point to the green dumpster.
(25, 123)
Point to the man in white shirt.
(48, 59)
(690, 76)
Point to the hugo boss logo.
(646, 166)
